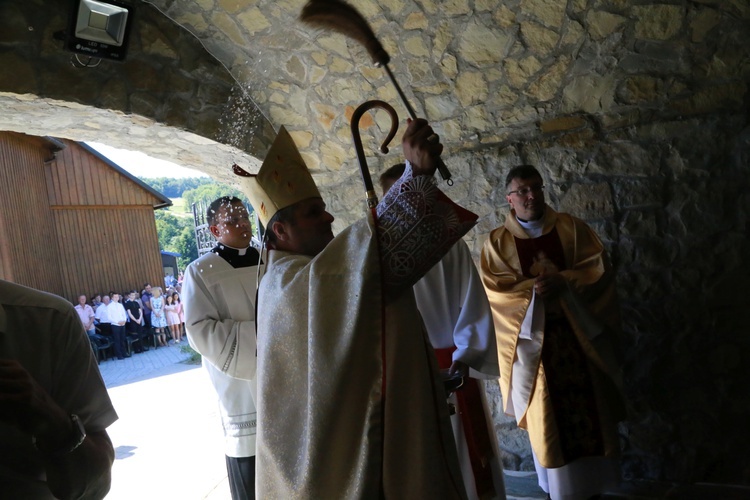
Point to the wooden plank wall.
(107, 249)
(106, 222)
(29, 236)
(78, 178)
(73, 225)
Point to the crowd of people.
(138, 318)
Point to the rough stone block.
(639, 63)
(588, 201)
(638, 193)
(589, 93)
(562, 123)
(440, 107)
(658, 22)
(297, 71)
(704, 22)
(626, 158)
(547, 86)
(415, 21)
(253, 20)
(227, 25)
(471, 88)
(519, 71)
(720, 97)
(549, 12)
(574, 33)
(602, 24)
(481, 45)
(539, 39)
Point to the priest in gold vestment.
(556, 317)
(350, 403)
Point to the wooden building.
(72, 222)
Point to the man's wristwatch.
(73, 441)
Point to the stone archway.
(48, 117)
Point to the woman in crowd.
(180, 315)
(158, 317)
(173, 319)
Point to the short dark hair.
(285, 215)
(213, 209)
(521, 172)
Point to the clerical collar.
(533, 228)
(240, 251)
(237, 257)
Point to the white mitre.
(282, 180)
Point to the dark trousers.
(118, 339)
(241, 474)
(105, 328)
(147, 319)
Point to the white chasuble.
(350, 403)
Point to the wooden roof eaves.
(163, 200)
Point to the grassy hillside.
(179, 209)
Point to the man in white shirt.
(86, 313)
(102, 316)
(117, 318)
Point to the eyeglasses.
(523, 192)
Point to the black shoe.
(120, 357)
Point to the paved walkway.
(168, 440)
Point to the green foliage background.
(174, 187)
(175, 227)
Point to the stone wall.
(637, 113)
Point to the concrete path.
(168, 440)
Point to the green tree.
(167, 227)
(174, 188)
(184, 244)
(177, 234)
(207, 193)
